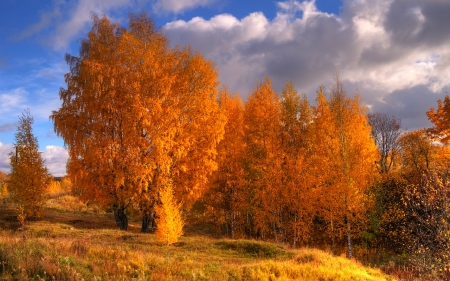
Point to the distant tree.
(3, 185)
(418, 153)
(66, 184)
(169, 221)
(385, 131)
(441, 120)
(29, 178)
(54, 186)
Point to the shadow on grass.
(253, 249)
(74, 219)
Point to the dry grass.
(83, 245)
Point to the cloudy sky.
(396, 53)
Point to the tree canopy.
(137, 114)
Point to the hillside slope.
(77, 245)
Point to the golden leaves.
(136, 113)
(29, 178)
(169, 221)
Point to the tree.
(66, 185)
(427, 209)
(262, 119)
(441, 120)
(418, 153)
(297, 169)
(3, 185)
(345, 155)
(226, 194)
(136, 114)
(169, 221)
(29, 178)
(385, 131)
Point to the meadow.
(77, 241)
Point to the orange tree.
(297, 169)
(345, 154)
(262, 119)
(441, 120)
(226, 195)
(137, 114)
(3, 185)
(169, 221)
(29, 178)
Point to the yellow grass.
(77, 245)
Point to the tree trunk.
(349, 239)
(121, 218)
(148, 222)
(233, 230)
(275, 232)
(333, 243)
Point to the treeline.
(329, 174)
(148, 128)
(288, 170)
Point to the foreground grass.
(81, 245)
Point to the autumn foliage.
(150, 131)
(170, 222)
(29, 177)
(3, 184)
(135, 114)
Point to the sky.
(394, 53)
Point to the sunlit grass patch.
(74, 245)
(64, 201)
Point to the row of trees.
(147, 129)
(330, 173)
(284, 165)
(402, 203)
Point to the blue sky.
(395, 53)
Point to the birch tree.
(137, 114)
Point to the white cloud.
(68, 19)
(12, 101)
(45, 21)
(380, 47)
(179, 6)
(5, 149)
(55, 159)
(81, 18)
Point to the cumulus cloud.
(55, 159)
(5, 149)
(386, 49)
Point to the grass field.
(78, 242)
